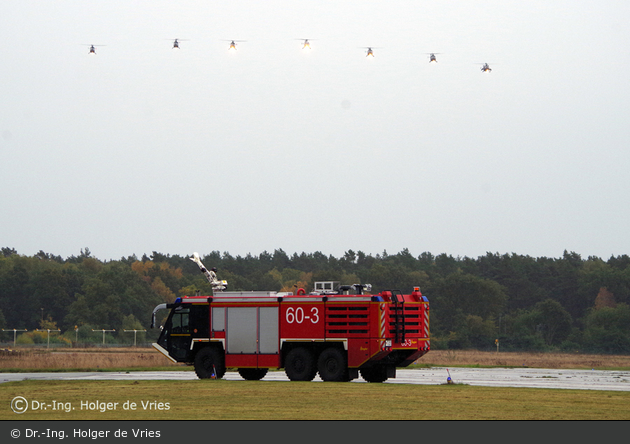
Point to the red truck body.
(337, 333)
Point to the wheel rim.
(331, 365)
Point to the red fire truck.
(335, 330)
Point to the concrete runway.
(495, 377)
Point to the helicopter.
(176, 43)
(370, 51)
(92, 48)
(432, 58)
(306, 43)
(233, 43)
(486, 68)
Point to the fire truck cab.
(336, 331)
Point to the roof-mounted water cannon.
(211, 274)
(362, 288)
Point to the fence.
(88, 344)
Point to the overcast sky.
(142, 147)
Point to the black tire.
(210, 361)
(299, 365)
(333, 365)
(375, 374)
(252, 374)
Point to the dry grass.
(148, 358)
(513, 359)
(84, 359)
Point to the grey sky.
(144, 148)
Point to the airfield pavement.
(489, 377)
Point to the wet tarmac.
(495, 377)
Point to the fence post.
(134, 335)
(103, 330)
(14, 333)
(48, 330)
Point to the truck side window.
(180, 322)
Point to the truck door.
(175, 337)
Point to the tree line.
(525, 303)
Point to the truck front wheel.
(210, 363)
(299, 365)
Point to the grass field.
(273, 400)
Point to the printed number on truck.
(297, 315)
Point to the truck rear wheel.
(375, 374)
(209, 363)
(252, 374)
(333, 365)
(299, 365)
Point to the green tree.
(473, 332)
(554, 322)
(606, 330)
(78, 312)
(457, 295)
(22, 309)
(546, 324)
(51, 290)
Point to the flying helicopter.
(486, 68)
(306, 43)
(176, 43)
(432, 58)
(370, 50)
(233, 43)
(92, 48)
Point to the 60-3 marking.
(296, 315)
